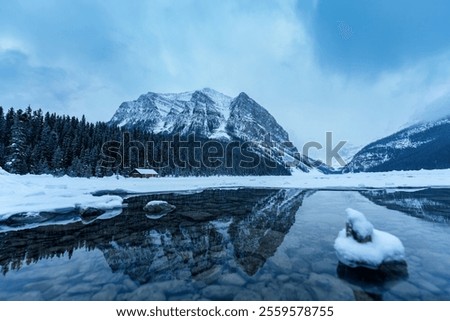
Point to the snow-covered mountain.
(202, 112)
(420, 146)
(205, 112)
(211, 114)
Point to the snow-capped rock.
(421, 146)
(358, 226)
(158, 208)
(211, 114)
(382, 247)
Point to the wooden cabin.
(143, 173)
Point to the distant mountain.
(421, 146)
(211, 114)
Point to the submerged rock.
(327, 287)
(197, 215)
(90, 213)
(386, 272)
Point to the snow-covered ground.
(38, 193)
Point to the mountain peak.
(243, 96)
(211, 91)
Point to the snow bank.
(35, 193)
(382, 248)
(53, 201)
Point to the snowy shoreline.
(38, 193)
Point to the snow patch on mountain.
(405, 143)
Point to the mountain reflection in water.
(431, 204)
(189, 242)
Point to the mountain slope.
(213, 115)
(421, 146)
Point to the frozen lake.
(241, 244)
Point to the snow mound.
(358, 226)
(382, 248)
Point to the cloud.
(384, 34)
(60, 56)
(24, 84)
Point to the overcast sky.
(361, 69)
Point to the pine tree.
(16, 160)
(57, 162)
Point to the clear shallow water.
(242, 244)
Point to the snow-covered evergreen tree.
(57, 162)
(16, 159)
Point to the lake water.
(239, 244)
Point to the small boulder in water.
(360, 245)
(157, 209)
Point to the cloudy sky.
(361, 69)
